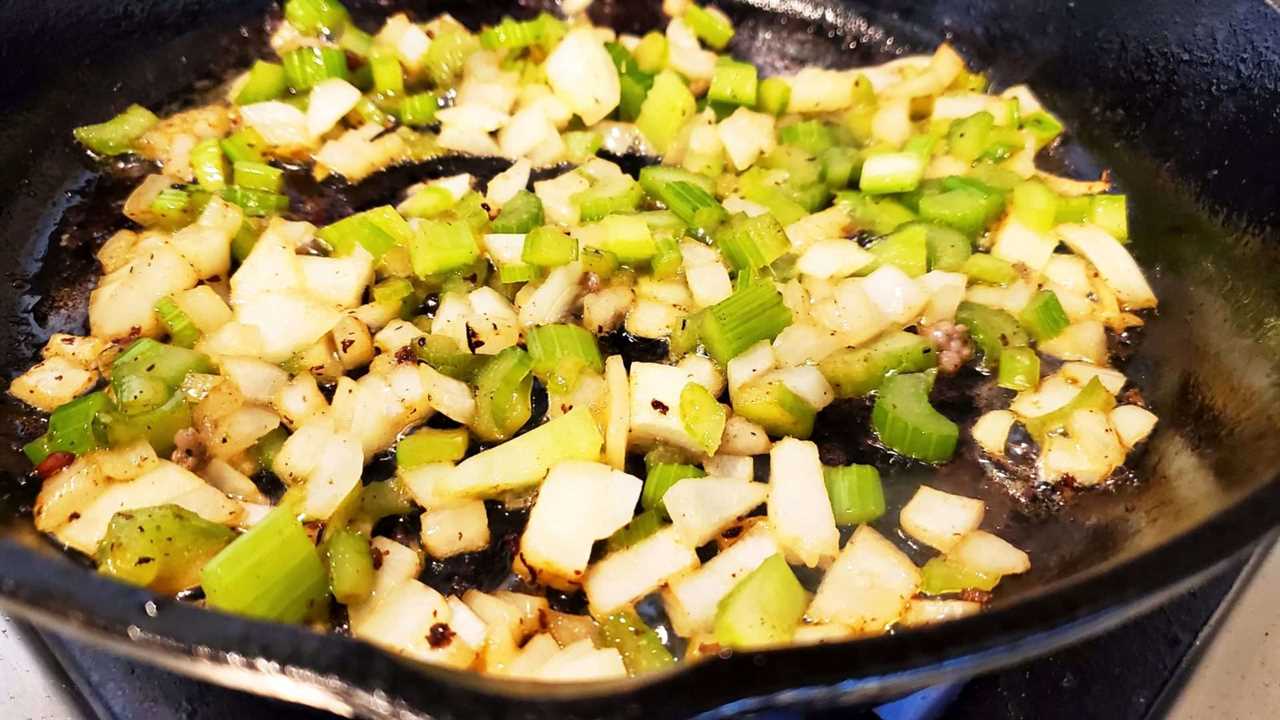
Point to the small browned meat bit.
(952, 343)
(440, 635)
(188, 451)
(977, 596)
(591, 282)
(54, 463)
(406, 354)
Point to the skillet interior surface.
(1180, 106)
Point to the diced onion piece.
(740, 467)
(583, 75)
(1085, 341)
(507, 183)
(551, 300)
(808, 382)
(702, 507)
(988, 554)
(52, 383)
(939, 519)
(655, 406)
(991, 431)
(330, 101)
(1112, 261)
(455, 529)
(743, 437)
(869, 585)
(578, 504)
(280, 124)
(746, 135)
(582, 662)
(946, 291)
(625, 576)
(895, 293)
(1132, 424)
(749, 365)
(800, 344)
(1081, 373)
(691, 599)
(1018, 243)
(852, 313)
(526, 459)
(833, 259)
(930, 612)
(799, 509)
(815, 90)
(336, 473)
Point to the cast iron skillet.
(1179, 98)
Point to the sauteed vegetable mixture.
(829, 236)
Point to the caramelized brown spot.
(440, 635)
(406, 355)
(978, 596)
(660, 406)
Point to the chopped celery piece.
(511, 34)
(906, 423)
(446, 356)
(1043, 126)
(703, 417)
(970, 137)
(268, 446)
(351, 569)
(773, 96)
(525, 459)
(641, 649)
(273, 572)
(840, 167)
(634, 83)
(242, 244)
(1035, 205)
(208, 165)
(315, 17)
(521, 214)
(661, 478)
(628, 237)
(667, 261)
(651, 53)
(355, 41)
(182, 331)
(581, 145)
(266, 81)
(881, 215)
(711, 26)
(255, 203)
(1094, 396)
(1073, 210)
(549, 247)
(307, 67)
(665, 110)
(360, 229)
(690, 201)
(155, 360)
(599, 261)
(941, 576)
(641, 526)
(503, 388)
(856, 372)
(392, 291)
(430, 445)
(427, 202)
(891, 172)
(907, 248)
(517, 273)
(243, 144)
(157, 425)
(813, 136)
(117, 135)
(949, 249)
(1019, 369)
(752, 242)
(162, 548)
(653, 177)
(258, 176)
(992, 330)
(1111, 213)
(388, 76)
(1044, 317)
(561, 352)
(965, 204)
(449, 51)
(620, 195)
(686, 334)
(989, 269)
(734, 83)
(763, 609)
(743, 319)
(776, 408)
(440, 247)
(71, 428)
(419, 109)
(856, 494)
(171, 205)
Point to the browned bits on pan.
(440, 635)
(660, 406)
(973, 595)
(53, 463)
